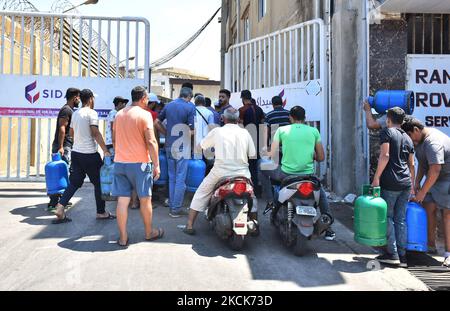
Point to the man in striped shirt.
(278, 117)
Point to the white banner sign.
(309, 95)
(429, 77)
(43, 96)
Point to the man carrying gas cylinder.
(63, 141)
(395, 176)
(433, 154)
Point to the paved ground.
(36, 255)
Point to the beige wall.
(211, 91)
(280, 14)
(12, 124)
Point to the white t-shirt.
(82, 120)
(201, 126)
(233, 147)
(109, 120)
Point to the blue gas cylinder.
(417, 224)
(163, 164)
(385, 100)
(195, 175)
(106, 179)
(56, 175)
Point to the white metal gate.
(66, 46)
(292, 63)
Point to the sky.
(172, 22)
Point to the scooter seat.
(227, 180)
(299, 178)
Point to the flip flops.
(110, 217)
(60, 221)
(189, 231)
(123, 246)
(158, 237)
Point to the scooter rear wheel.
(301, 245)
(237, 242)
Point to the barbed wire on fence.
(46, 29)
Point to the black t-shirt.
(252, 115)
(65, 113)
(396, 176)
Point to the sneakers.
(330, 235)
(432, 250)
(51, 208)
(270, 206)
(178, 214)
(389, 259)
(446, 262)
(403, 262)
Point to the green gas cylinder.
(371, 218)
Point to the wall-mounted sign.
(43, 96)
(429, 77)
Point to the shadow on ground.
(267, 258)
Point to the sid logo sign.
(32, 99)
(28, 89)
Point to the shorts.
(129, 176)
(440, 194)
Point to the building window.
(428, 33)
(262, 8)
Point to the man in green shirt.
(301, 145)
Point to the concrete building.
(167, 82)
(361, 47)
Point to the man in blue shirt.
(278, 117)
(180, 116)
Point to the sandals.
(189, 231)
(158, 237)
(60, 221)
(110, 217)
(123, 246)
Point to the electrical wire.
(183, 46)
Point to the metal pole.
(366, 84)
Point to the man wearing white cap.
(153, 101)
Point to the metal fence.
(60, 45)
(295, 55)
(428, 33)
(288, 56)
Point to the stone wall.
(388, 51)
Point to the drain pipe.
(365, 24)
(327, 19)
(316, 8)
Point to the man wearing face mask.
(63, 142)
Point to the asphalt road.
(82, 255)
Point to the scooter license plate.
(306, 211)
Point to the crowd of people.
(228, 141)
(402, 140)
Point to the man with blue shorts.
(136, 164)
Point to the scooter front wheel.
(237, 242)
